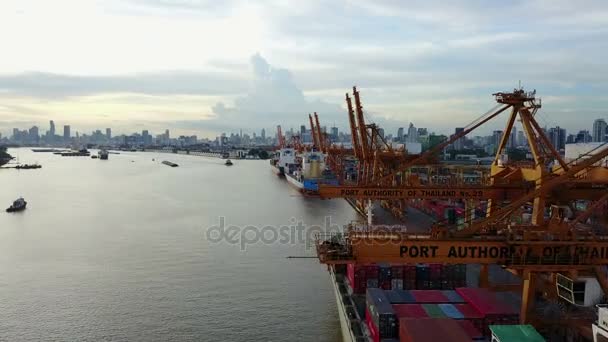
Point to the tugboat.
(18, 205)
(228, 162)
(103, 154)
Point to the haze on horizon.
(205, 67)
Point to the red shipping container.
(371, 326)
(429, 296)
(410, 311)
(471, 314)
(431, 329)
(356, 277)
(486, 302)
(471, 330)
(371, 271)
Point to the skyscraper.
(109, 133)
(599, 130)
(52, 128)
(557, 136)
(400, 134)
(302, 130)
(334, 132)
(412, 134)
(66, 132)
(458, 144)
(263, 135)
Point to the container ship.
(308, 171)
(281, 160)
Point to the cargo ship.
(281, 160)
(308, 172)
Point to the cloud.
(274, 98)
(43, 84)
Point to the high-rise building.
(66, 132)
(496, 136)
(302, 130)
(412, 133)
(167, 136)
(599, 130)
(512, 142)
(400, 134)
(381, 132)
(521, 138)
(422, 132)
(458, 144)
(557, 136)
(583, 137)
(108, 133)
(334, 132)
(52, 128)
(263, 135)
(34, 134)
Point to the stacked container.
(491, 308)
(409, 277)
(435, 279)
(471, 330)
(397, 277)
(371, 273)
(356, 278)
(431, 329)
(384, 276)
(382, 316)
(471, 314)
(422, 277)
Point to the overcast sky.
(206, 66)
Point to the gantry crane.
(536, 250)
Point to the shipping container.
(407, 296)
(495, 311)
(471, 330)
(429, 296)
(434, 311)
(397, 284)
(515, 333)
(471, 314)
(372, 283)
(382, 313)
(452, 296)
(410, 311)
(397, 271)
(431, 329)
(394, 297)
(384, 273)
(451, 311)
(356, 278)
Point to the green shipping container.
(515, 333)
(434, 311)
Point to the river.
(121, 250)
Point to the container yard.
(510, 251)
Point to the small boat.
(228, 162)
(18, 205)
(93, 157)
(28, 166)
(103, 154)
(166, 162)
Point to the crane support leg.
(602, 278)
(484, 280)
(527, 296)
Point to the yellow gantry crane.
(556, 241)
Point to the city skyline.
(272, 65)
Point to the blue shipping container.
(451, 311)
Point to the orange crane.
(540, 249)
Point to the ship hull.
(347, 333)
(279, 171)
(293, 181)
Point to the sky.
(205, 67)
